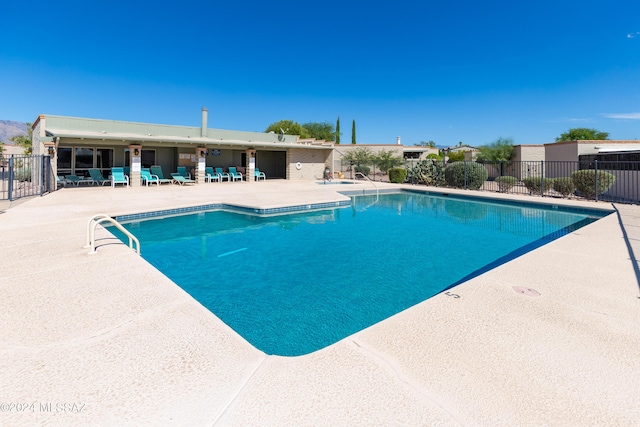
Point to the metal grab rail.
(91, 232)
(372, 183)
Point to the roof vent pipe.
(205, 116)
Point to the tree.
(429, 143)
(581, 134)
(360, 156)
(386, 160)
(338, 131)
(288, 127)
(353, 132)
(456, 156)
(500, 150)
(323, 131)
(24, 141)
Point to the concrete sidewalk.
(106, 339)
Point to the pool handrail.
(91, 232)
(372, 183)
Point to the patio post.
(201, 155)
(250, 167)
(135, 151)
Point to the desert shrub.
(476, 175)
(564, 185)
(22, 173)
(427, 172)
(505, 183)
(397, 175)
(585, 182)
(535, 184)
(363, 170)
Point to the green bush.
(535, 184)
(476, 175)
(363, 170)
(505, 183)
(427, 172)
(585, 182)
(456, 156)
(564, 186)
(397, 175)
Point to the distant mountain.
(9, 129)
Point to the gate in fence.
(24, 176)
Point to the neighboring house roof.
(461, 148)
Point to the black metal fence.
(346, 169)
(585, 179)
(24, 176)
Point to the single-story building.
(79, 144)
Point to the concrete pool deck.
(106, 339)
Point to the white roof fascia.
(618, 148)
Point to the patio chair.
(235, 174)
(222, 174)
(179, 179)
(97, 177)
(182, 170)
(259, 174)
(72, 179)
(157, 171)
(61, 181)
(148, 178)
(118, 177)
(210, 175)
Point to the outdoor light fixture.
(203, 153)
(51, 150)
(136, 152)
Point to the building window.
(83, 161)
(64, 160)
(611, 161)
(104, 160)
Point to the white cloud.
(624, 116)
(570, 120)
(633, 35)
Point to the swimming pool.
(292, 284)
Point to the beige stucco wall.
(529, 153)
(561, 151)
(9, 149)
(311, 163)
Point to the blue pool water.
(292, 284)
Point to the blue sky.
(443, 71)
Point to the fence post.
(10, 178)
(42, 172)
(542, 178)
(596, 178)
